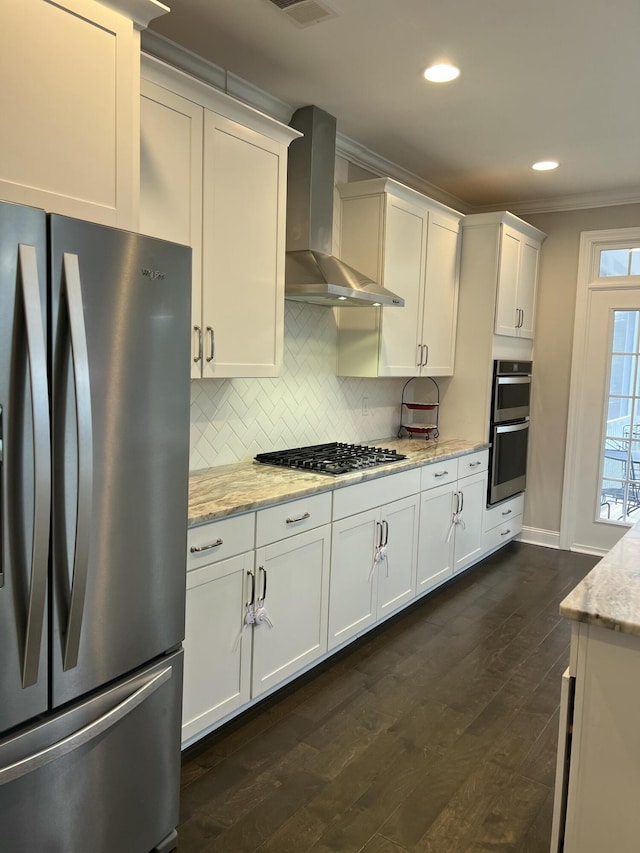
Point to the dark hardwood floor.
(435, 733)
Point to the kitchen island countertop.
(609, 596)
(231, 489)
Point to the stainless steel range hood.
(312, 273)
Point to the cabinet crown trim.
(180, 83)
(479, 220)
(376, 186)
(141, 12)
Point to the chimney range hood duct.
(312, 273)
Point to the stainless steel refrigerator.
(94, 435)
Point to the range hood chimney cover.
(312, 273)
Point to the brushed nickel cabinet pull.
(441, 474)
(196, 549)
(302, 517)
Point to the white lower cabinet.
(217, 652)
(373, 554)
(503, 522)
(293, 578)
(229, 660)
(451, 517)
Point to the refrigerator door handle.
(73, 290)
(41, 460)
(87, 733)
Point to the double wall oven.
(509, 429)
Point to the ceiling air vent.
(305, 12)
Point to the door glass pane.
(619, 262)
(620, 480)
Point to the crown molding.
(179, 57)
(141, 12)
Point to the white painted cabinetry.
(230, 659)
(451, 517)
(515, 270)
(503, 522)
(70, 72)
(410, 244)
(217, 651)
(213, 175)
(292, 579)
(373, 553)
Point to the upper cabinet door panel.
(441, 294)
(69, 119)
(404, 256)
(243, 282)
(506, 300)
(527, 284)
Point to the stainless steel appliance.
(511, 391)
(94, 424)
(509, 429)
(332, 458)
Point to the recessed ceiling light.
(545, 165)
(342, 298)
(441, 73)
(376, 304)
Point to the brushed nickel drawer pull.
(474, 464)
(505, 532)
(196, 549)
(508, 512)
(441, 474)
(302, 517)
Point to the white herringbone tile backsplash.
(233, 419)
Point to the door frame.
(591, 243)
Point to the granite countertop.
(609, 596)
(230, 489)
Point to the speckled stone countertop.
(609, 596)
(231, 489)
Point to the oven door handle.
(514, 380)
(502, 428)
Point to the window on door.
(620, 484)
(619, 262)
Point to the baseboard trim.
(538, 536)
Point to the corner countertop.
(609, 596)
(231, 489)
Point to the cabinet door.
(507, 318)
(352, 602)
(217, 650)
(296, 574)
(440, 313)
(404, 259)
(69, 109)
(469, 540)
(243, 250)
(171, 184)
(436, 539)
(396, 575)
(527, 284)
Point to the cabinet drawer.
(438, 473)
(373, 493)
(471, 463)
(210, 543)
(503, 533)
(282, 520)
(503, 512)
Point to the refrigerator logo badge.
(154, 275)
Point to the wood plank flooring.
(436, 733)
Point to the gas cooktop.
(333, 458)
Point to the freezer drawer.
(102, 775)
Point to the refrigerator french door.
(94, 427)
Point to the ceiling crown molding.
(179, 57)
(141, 12)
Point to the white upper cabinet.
(213, 175)
(514, 271)
(410, 244)
(70, 93)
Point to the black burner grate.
(332, 458)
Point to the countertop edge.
(287, 485)
(609, 596)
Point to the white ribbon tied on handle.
(456, 520)
(379, 555)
